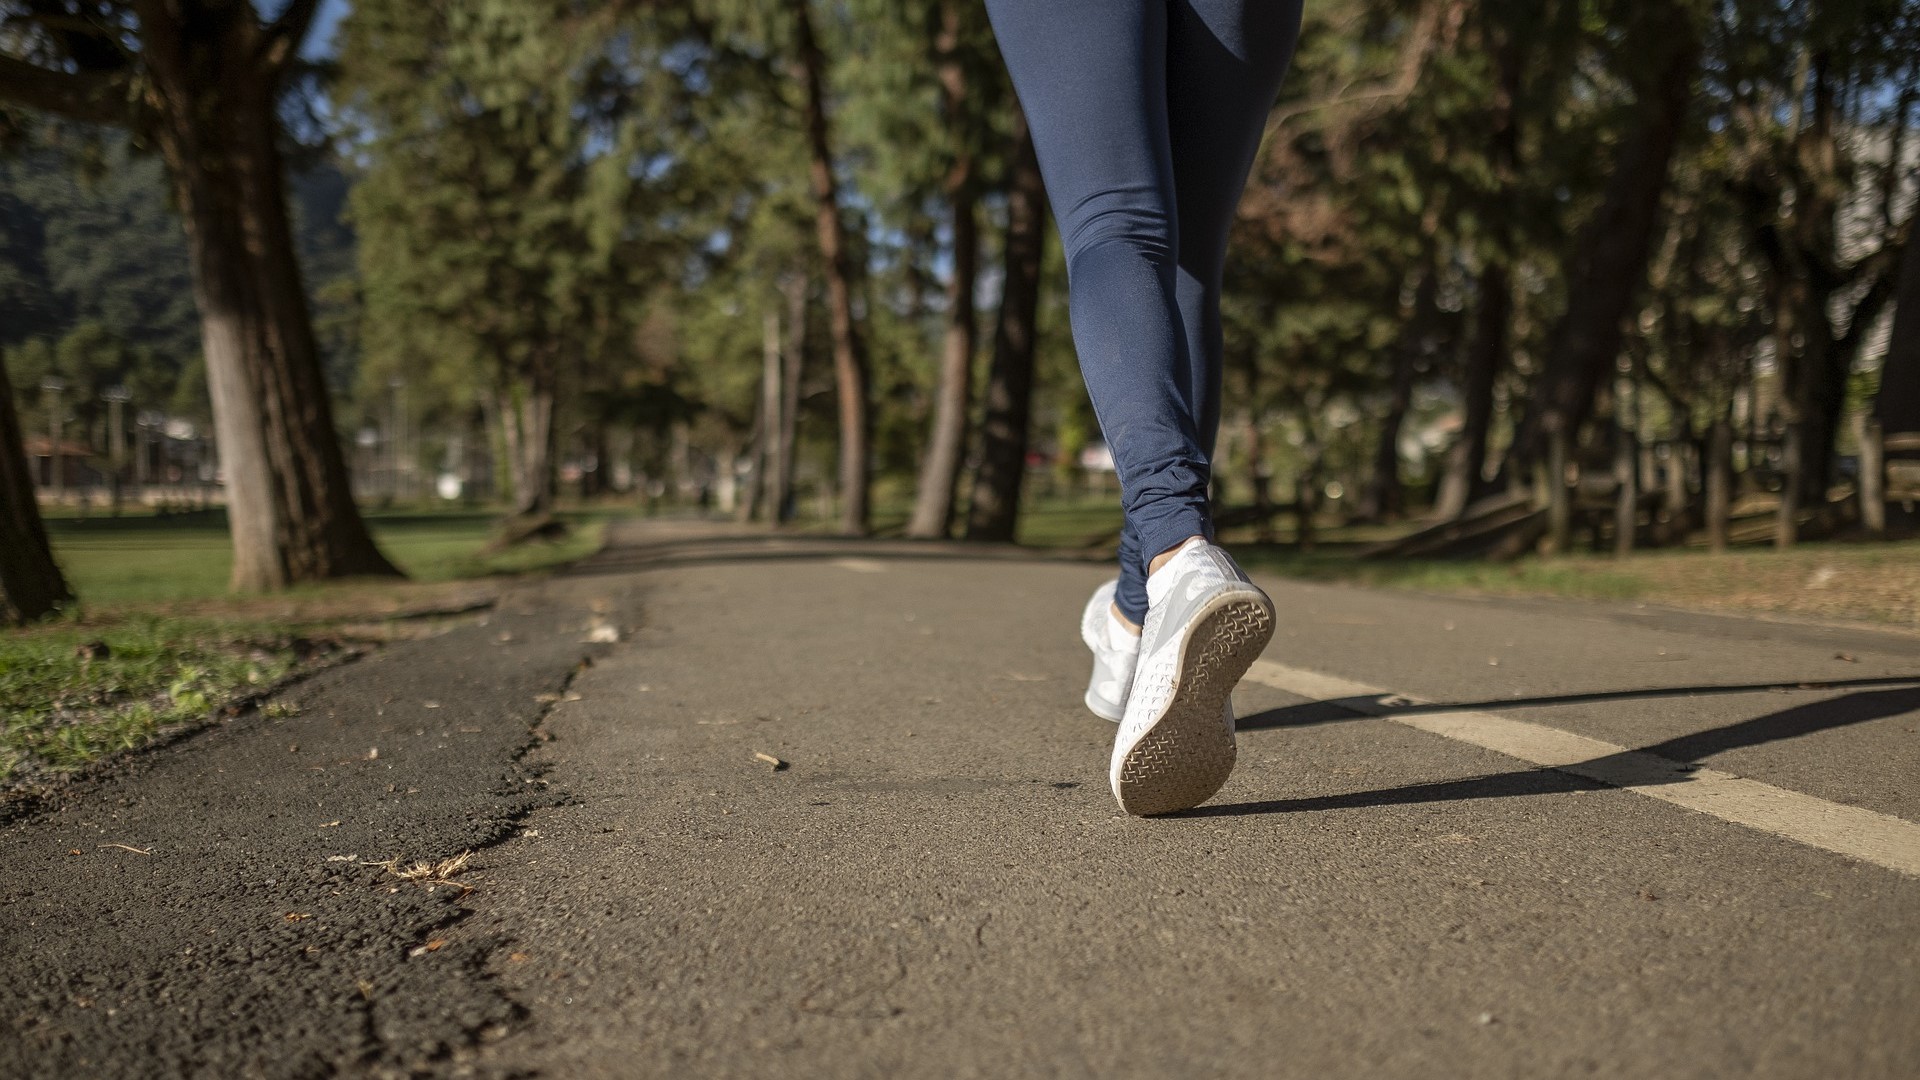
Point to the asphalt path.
(834, 809)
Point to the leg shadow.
(1668, 762)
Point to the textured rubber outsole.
(1188, 753)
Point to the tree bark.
(1259, 475)
(31, 584)
(1896, 405)
(1626, 501)
(1719, 483)
(1486, 357)
(526, 419)
(289, 501)
(1464, 479)
(1786, 523)
(1872, 487)
(793, 359)
(994, 511)
(1609, 265)
(1556, 494)
(1678, 500)
(1385, 498)
(761, 497)
(849, 358)
(940, 467)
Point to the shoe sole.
(1189, 752)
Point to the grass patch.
(1551, 577)
(1048, 523)
(149, 560)
(1849, 582)
(156, 641)
(76, 692)
(1834, 582)
(1074, 523)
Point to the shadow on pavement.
(1310, 713)
(1661, 763)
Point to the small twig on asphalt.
(124, 847)
(430, 873)
(771, 760)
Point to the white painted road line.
(861, 566)
(1880, 839)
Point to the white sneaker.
(1114, 651)
(1206, 624)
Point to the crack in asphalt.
(247, 944)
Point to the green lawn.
(1048, 523)
(1835, 581)
(156, 641)
(1831, 581)
(138, 675)
(146, 559)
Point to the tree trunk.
(1465, 477)
(593, 481)
(1551, 476)
(1897, 403)
(31, 584)
(1486, 356)
(526, 418)
(994, 511)
(1385, 498)
(1626, 501)
(1805, 249)
(1678, 501)
(1872, 488)
(1306, 501)
(793, 360)
(1610, 264)
(761, 497)
(1818, 389)
(1719, 483)
(849, 359)
(289, 502)
(940, 467)
(1259, 475)
(1786, 523)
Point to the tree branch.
(1435, 29)
(286, 33)
(94, 99)
(1885, 275)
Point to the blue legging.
(1146, 115)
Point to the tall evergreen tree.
(850, 369)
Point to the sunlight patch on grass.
(157, 642)
(72, 693)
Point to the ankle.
(1126, 624)
(1166, 556)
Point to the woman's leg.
(1225, 60)
(1092, 75)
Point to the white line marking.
(861, 566)
(1880, 839)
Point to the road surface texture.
(1466, 838)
